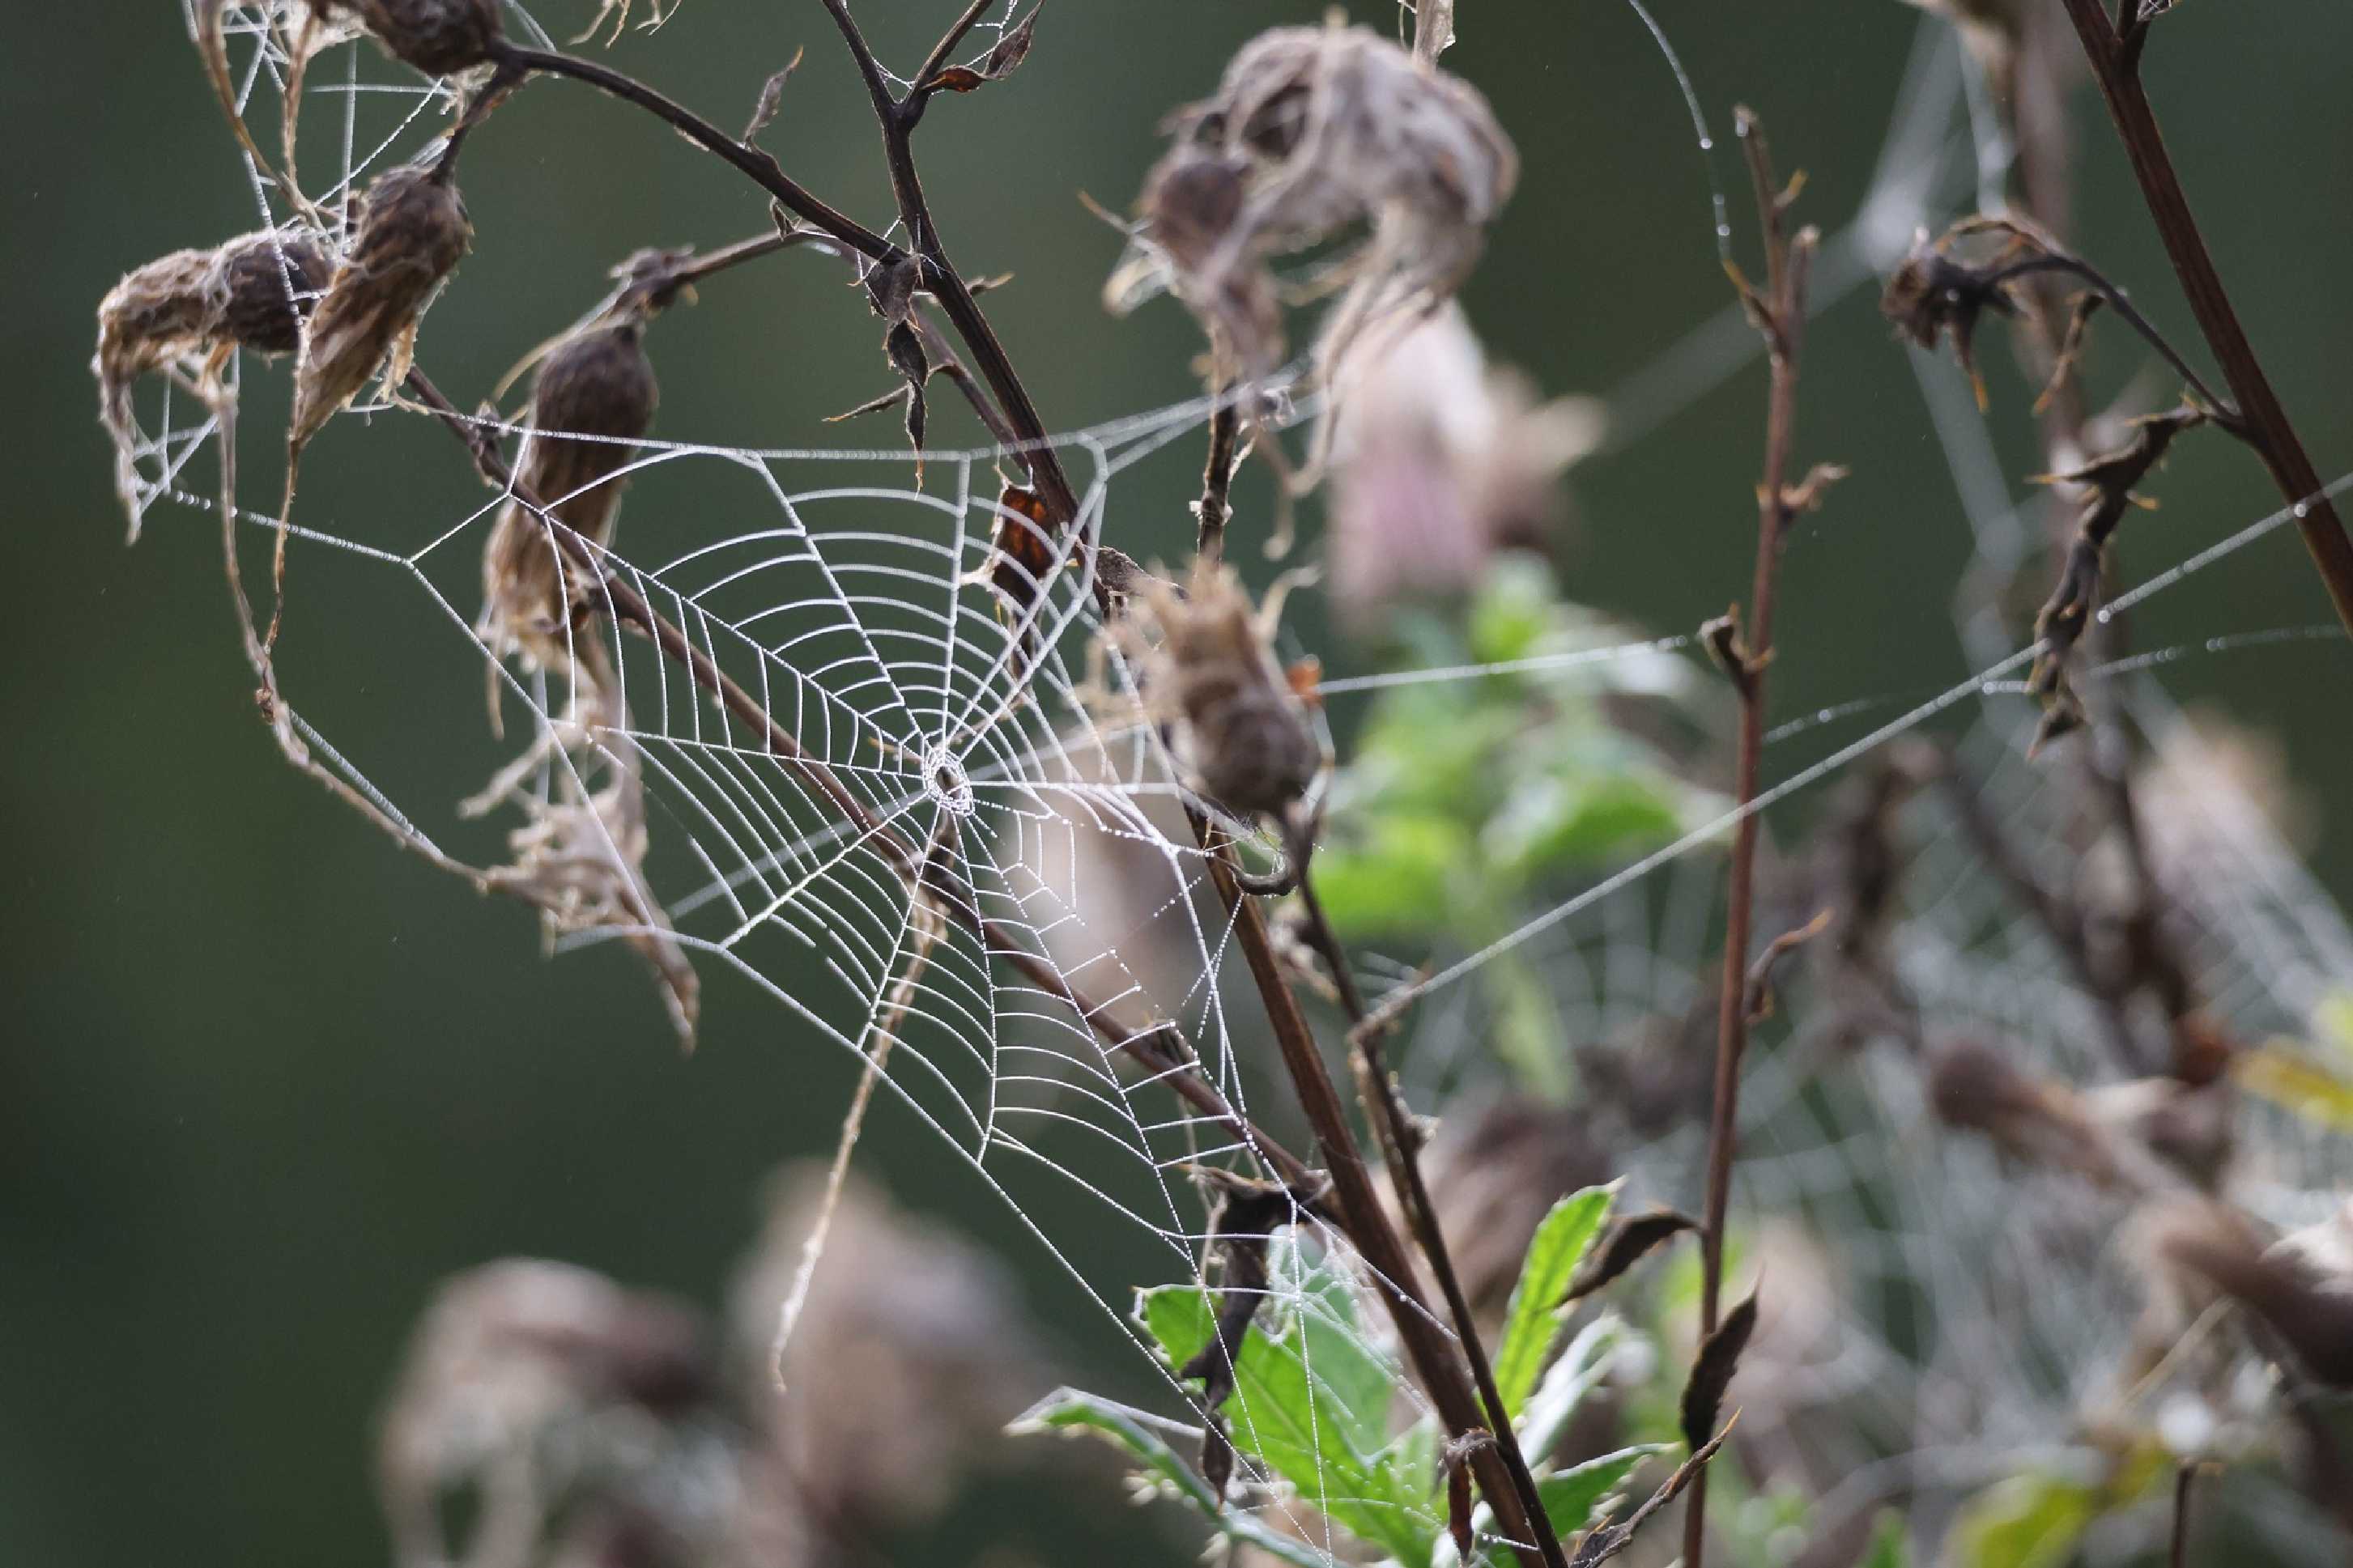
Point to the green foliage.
(1891, 1543)
(1315, 1405)
(1462, 802)
(1532, 1321)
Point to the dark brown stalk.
(897, 117)
(2222, 414)
(1400, 1143)
(760, 165)
(2115, 60)
(1159, 1049)
(1780, 314)
(1517, 1515)
(1216, 509)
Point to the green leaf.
(1531, 1322)
(1516, 607)
(1571, 1496)
(1069, 1410)
(1891, 1543)
(1563, 1388)
(2025, 1521)
(1581, 816)
(1298, 1422)
(1397, 879)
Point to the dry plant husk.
(412, 232)
(1204, 667)
(1314, 132)
(596, 393)
(184, 313)
(580, 859)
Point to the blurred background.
(269, 1081)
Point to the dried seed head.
(184, 312)
(1206, 666)
(1315, 130)
(439, 37)
(412, 232)
(595, 395)
(580, 860)
(269, 283)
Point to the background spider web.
(854, 606)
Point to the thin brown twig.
(2115, 60)
(2178, 1556)
(1214, 508)
(1780, 315)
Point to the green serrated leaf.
(1298, 1423)
(1069, 1410)
(1571, 1496)
(1531, 1322)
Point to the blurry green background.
(265, 1079)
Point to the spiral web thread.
(984, 729)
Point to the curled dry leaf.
(596, 393)
(1626, 1242)
(184, 312)
(1711, 1371)
(1315, 132)
(413, 230)
(439, 37)
(2300, 1285)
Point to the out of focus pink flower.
(1439, 461)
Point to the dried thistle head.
(594, 395)
(413, 230)
(439, 37)
(1313, 131)
(184, 312)
(568, 1405)
(1938, 291)
(580, 859)
(1204, 666)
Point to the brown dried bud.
(439, 37)
(412, 233)
(184, 311)
(1206, 664)
(595, 395)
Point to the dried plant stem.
(1519, 1515)
(2222, 414)
(1159, 1049)
(2115, 60)
(1400, 1141)
(1216, 508)
(1781, 317)
(923, 933)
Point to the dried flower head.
(182, 314)
(1313, 131)
(412, 232)
(596, 393)
(439, 37)
(572, 1408)
(1203, 664)
(580, 859)
(1937, 291)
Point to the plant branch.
(1427, 1346)
(1780, 316)
(1400, 1141)
(938, 57)
(896, 118)
(2115, 60)
(2218, 409)
(762, 166)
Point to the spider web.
(969, 720)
